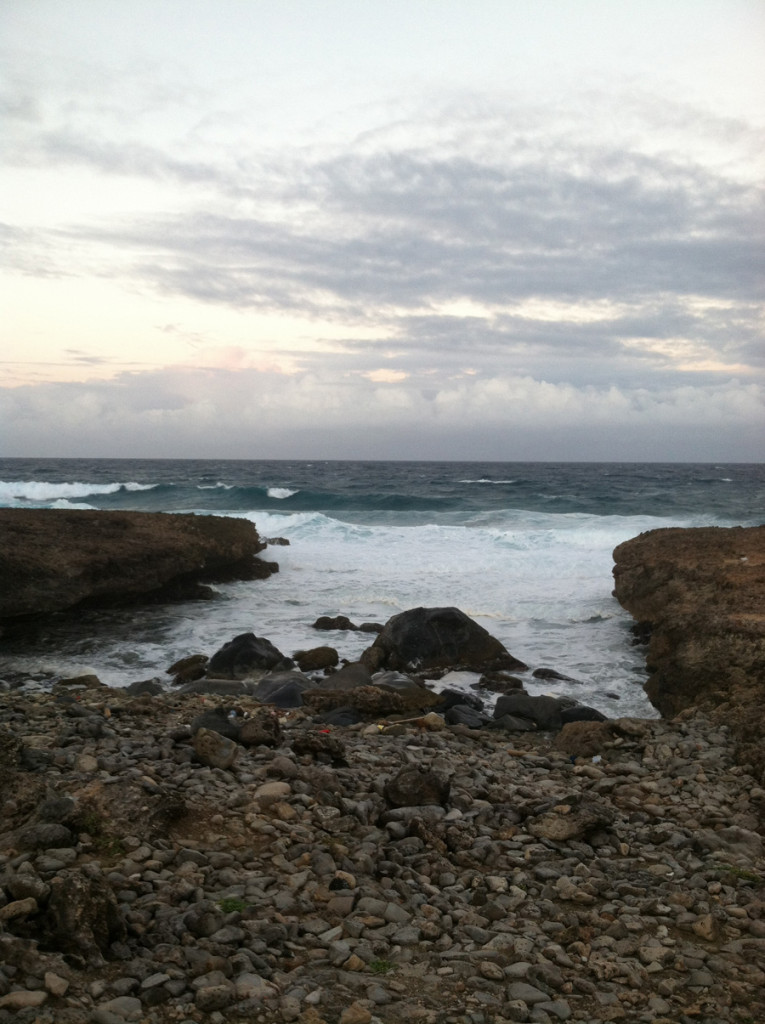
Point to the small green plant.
(732, 871)
(103, 841)
(231, 903)
(381, 966)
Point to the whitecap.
(13, 491)
(63, 503)
(280, 493)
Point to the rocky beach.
(277, 836)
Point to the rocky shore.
(52, 560)
(699, 598)
(611, 871)
(282, 838)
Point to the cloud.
(481, 273)
(254, 414)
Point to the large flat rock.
(701, 593)
(54, 559)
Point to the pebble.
(275, 885)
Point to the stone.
(283, 689)
(55, 984)
(316, 659)
(543, 712)
(583, 739)
(413, 786)
(529, 994)
(437, 638)
(261, 729)
(355, 1014)
(186, 670)
(214, 997)
(18, 908)
(244, 654)
(122, 1008)
(18, 1001)
(220, 720)
(214, 750)
(332, 622)
(82, 916)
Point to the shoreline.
(153, 869)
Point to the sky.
(411, 229)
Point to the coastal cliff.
(52, 560)
(699, 594)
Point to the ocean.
(523, 548)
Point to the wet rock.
(331, 622)
(433, 638)
(186, 670)
(244, 654)
(316, 658)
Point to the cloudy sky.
(490, 229)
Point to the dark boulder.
(416, 787)
(344, 716)
(319, 745)
(464, 714)
(450, 698)
(582, 713)
(437, 638)
(188, 669)
(284, 689)
(316, 658)
(553, 676)
(512, 723)
(544, 712)
(499, 682)
(244, 654)
(261, 730)
(349, 677)
(82, 917)
(220, 720)
(143, 688)
(330, 622)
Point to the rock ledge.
(699, 595)
(54, 559)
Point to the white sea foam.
(64, 503)
(39, 491)
(488, 480)
(280, 492)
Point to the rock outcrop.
(437, 638)
(699, 595)
(54, 559)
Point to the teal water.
(525, 548)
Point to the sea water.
(523, 548)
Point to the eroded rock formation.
(699, 595)
(54, 559)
